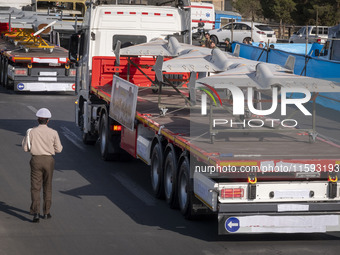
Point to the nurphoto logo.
(239, 105)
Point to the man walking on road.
(42, 142)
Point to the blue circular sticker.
(20, 86)
(207, 14)
(232, 224)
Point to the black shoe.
(36, 218)
(47, 216)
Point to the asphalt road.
(107, 207)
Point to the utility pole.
(317, 21)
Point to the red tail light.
(20, 72)
(116, 128)
(260, 32)
(232, 193)
(73, 72)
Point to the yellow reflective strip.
(238, 163)
(21, 58)
(103, 95)
(203, 201)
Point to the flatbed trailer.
(36, 69)
(256, 182)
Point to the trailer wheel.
(104, 137)
(185, 189)
(10, 84)
(88, 139)
(157, 170)
(109, 145)
(170, 177)
(5, 73)
(1, 68)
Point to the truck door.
(76, 56)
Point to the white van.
(317, 34)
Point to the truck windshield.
(128, 40)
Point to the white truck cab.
(130, 25)
(105, 25)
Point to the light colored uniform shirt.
(43, 141)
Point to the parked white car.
(315, 34)
(241, 31)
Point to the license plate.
(285, 194)
(269, 35)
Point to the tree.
(299, 12)
(248, 8)
(278, 10)
(321, 12)
(337, 12)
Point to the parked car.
(242, 30)
(315, 34)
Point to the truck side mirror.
(74, 48)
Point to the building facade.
(220, 5)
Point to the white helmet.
(44, 113)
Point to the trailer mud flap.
(206, 191)
(278, 224)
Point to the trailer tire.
(185, 189)
(10, 84)
(104, 138)
(6, 84)
(170, 176)
(1, 68)
(157, 170)
(109, 145)
(4, 68)
(88, 139)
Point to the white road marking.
(135, 189)
(32, 108)
(72, 137)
